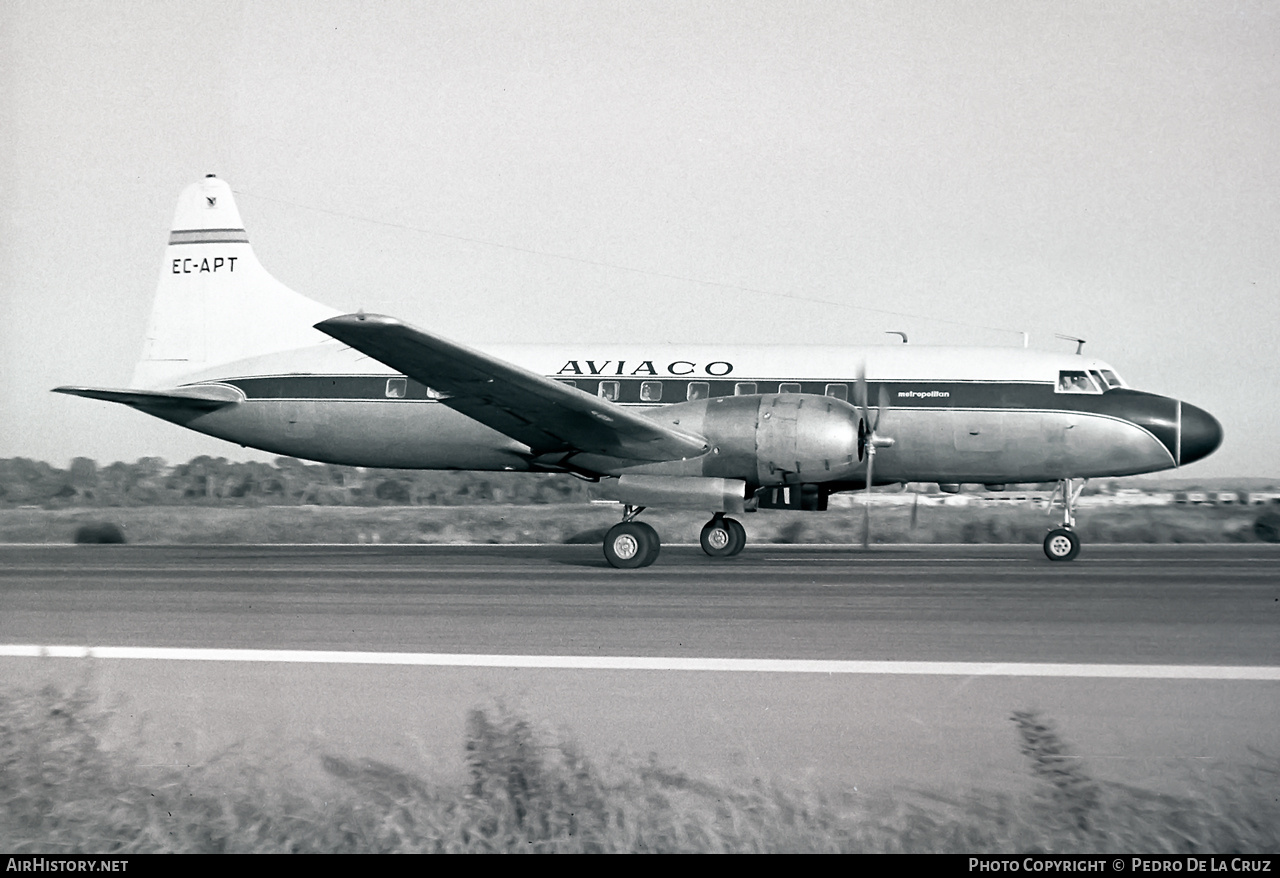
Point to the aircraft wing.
(196, 398)
(544, 414)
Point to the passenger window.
(789, 387)
(698, 390)
(608, 390)
(432, 393)
(397, 388)
(651, 391)
(568, 382)
(1070, 381)
(839, 391)
(744, 388)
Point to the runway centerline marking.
(653, 663)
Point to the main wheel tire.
(739, 535)
(1061, 545)
(717, 538)
(631, 544)
(655, 544)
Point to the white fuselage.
(955, 414)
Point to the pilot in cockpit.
(1074, 382)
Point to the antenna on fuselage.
(1079, 341)
(896, 332)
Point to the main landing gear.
(631, 544)
(722, 537)
(1061, 543)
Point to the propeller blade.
(883, 404)
(915, 510)
(866, 519)
(860, 393)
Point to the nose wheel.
(1061, 543)
(723, 537)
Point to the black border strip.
(209, 236)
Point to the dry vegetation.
(61, 792)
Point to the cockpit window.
(1112, 379)
(1073, 381)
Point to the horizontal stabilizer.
(197, 398)
(548, 416)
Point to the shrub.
(100, 532)
(1267, 527)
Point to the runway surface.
(1215, 606)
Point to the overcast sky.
(509, 172)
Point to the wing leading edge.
(548, 416)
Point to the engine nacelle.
(774, 438)
(715, 494)
(805, 438)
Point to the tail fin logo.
(212, 199)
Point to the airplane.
(232, 352)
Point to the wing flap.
(544, 414)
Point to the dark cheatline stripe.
(1155, 413)
(317, 387)
(209, 236)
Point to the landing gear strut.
(1061, 543)
(631, 544)
(723, 537)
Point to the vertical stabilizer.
(215, 303)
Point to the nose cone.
(1201, 434)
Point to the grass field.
(62, 792)
(567, 523)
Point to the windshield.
(1076, 381)
(1112, 379)
(1100, 378)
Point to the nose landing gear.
(1061, 543)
